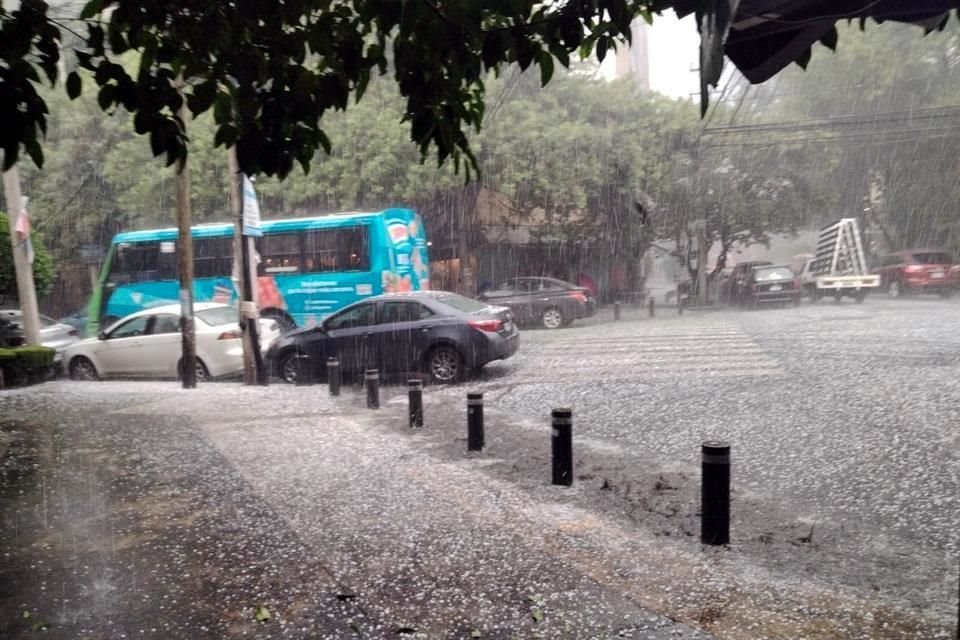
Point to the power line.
(849, 120)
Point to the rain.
(772, 266)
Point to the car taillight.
(914, 268)
(230, 335)
(486, 325)
(579, 295)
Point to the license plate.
(936, 274)
(776, 287)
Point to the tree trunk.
(188, 360)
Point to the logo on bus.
(398, 233)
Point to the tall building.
(662, 58)
(635, 59)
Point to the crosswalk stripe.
(714, 352)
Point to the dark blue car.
(442, 334)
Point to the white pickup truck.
(839, 268)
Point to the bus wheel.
(283, 321)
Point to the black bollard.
(616, 310)
(653, 307)
(304, 371)
(475, 422)
(415, 395)
(333, 376)
(715, 493)
(372, 379)
(562, 445)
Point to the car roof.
(175, 308)
(431, 294)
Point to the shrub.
(26, 365)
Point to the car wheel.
(552, 318)
(81, 368)
(860, 297)
(202, 374)
(946, 293)
(289, 367)
(445, 365)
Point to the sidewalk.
(176, 514)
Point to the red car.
(918, 271)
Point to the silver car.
(56, 335)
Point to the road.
(849, 414)
(143, 510)
(852, 410)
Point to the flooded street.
(144, 510)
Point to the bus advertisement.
(307, 268)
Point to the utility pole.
(188, 368)
(240, 268)
(702, 263)
(26, 291)
(242, 191)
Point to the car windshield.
(772, 273)
(462, 303)
(933, 257)
(216, 316)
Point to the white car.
(147, 344)
(56, 335)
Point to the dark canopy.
(761, 37)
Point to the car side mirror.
(102, 335)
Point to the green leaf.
(262, 614)
(602, 44)
(476, 634)
(74, 85)
(537, 615)
(26, 614)
(91, 9)
(546, 68)
(829, 39)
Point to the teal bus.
(307, 268)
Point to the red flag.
(23, 231)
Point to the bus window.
(135, 263)
(279, 253)
(212, 257)
(328, 250)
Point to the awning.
(761, 37)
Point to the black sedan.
(547, 302)
(441, 333)
(771, 284)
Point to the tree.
(43, 271)
(875, 124)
